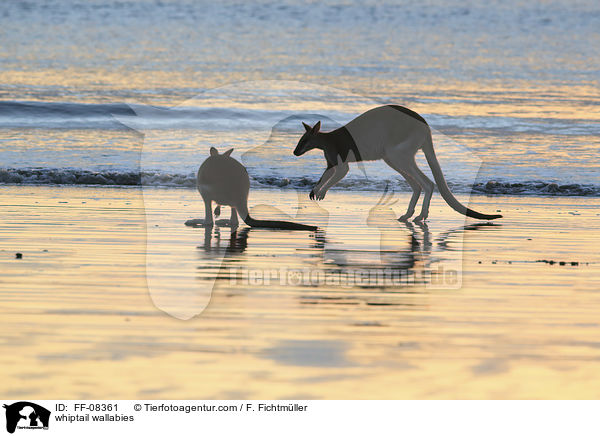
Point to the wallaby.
(392, 133)
(225, 181)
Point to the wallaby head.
(309, 140)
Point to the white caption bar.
(296, 417)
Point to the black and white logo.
(26, 415)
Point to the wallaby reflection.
(237, 243)
(393, 248)
(444, 240)
(404, 249)
(397, 250)
(217, 253)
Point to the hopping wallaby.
(392, 133)
(225, 181)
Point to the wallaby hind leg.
(233, 221)
(208, 213)
(413, 200)
(426, 184)
(208, 218)
(415, 186)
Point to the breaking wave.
(41, 176)
(59, 115)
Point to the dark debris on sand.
(561, 263)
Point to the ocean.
(136, 92)
(108, 108)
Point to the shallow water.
(94, 308)
(516, 82)
(79, 316)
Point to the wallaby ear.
(228, 152)
(317, 127)
(214, 151)
(306, 126)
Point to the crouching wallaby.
(225, 181)
(392, 133)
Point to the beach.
(108, 109)
(517, 319)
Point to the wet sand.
(384, 310)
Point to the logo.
(26, 415)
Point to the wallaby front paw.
(311, 195)
(406, 216)
(227, 223)
(199, 223)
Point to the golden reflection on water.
(78, 322)
(458, 98)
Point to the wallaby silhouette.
(391, 133)
(225, 181)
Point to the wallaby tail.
(443, 186)
(284, 225)
(268, 224)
